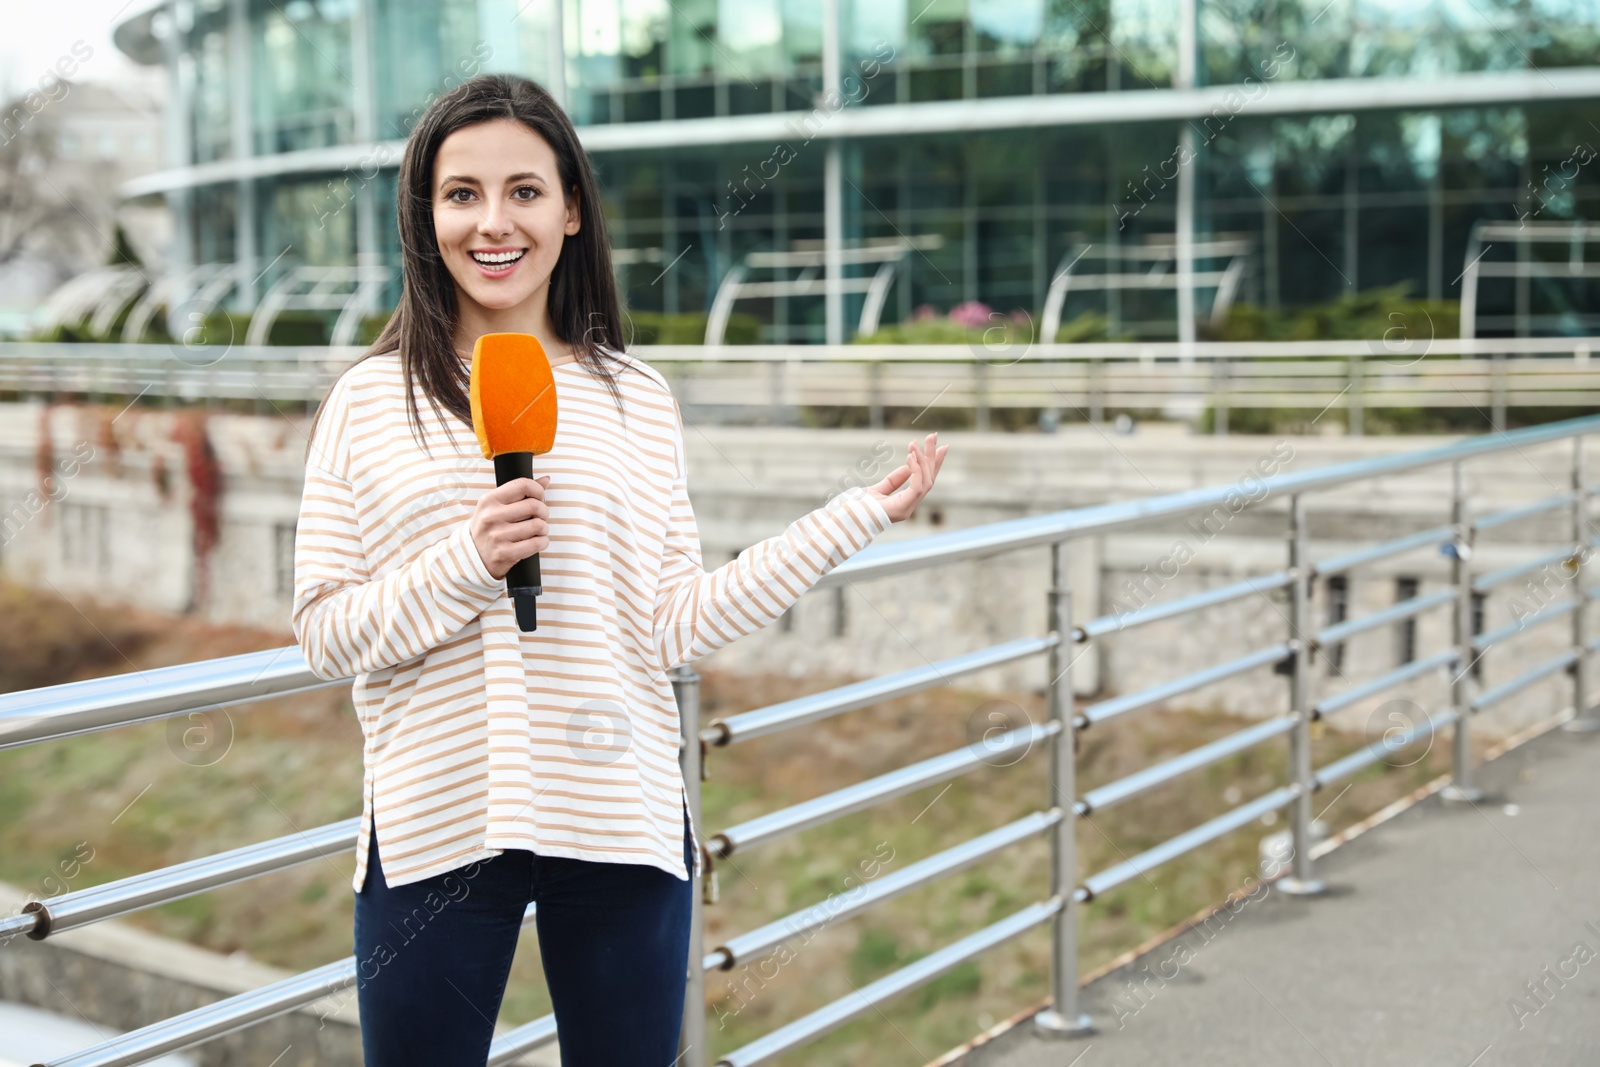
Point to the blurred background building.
(63, 153)
(926, 155)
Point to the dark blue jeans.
(432, 958)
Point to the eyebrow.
(524, 176)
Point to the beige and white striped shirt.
(563, 740)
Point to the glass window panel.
(1144, 41)
(691, 38)
(752, 31)
(1394, 246)
(517, 35)
(420, 52)
(1005, 79)
(215, 210)
(211, 129)
(294, 217)
(867, 25)
(940, 29)
(1007, 26)
(802, 32)
(1371, 38)
(302, 92)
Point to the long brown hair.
(583, 305)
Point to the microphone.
(513, 393)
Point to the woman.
(506, 768)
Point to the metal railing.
(67, 710)
(774, 382)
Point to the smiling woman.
(493, 168)
(502, 218)
(539, 766)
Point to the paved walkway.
(1434, 926)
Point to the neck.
(532, 316)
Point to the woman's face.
(499, 212)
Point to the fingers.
(893, 480)
(919, 470)
(930, 457)
(517, 508)
(922, 457)
(518, 488)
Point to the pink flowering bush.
(973, 314)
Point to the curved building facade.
(820, 166)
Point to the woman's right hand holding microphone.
(510, 523)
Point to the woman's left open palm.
(912, 479)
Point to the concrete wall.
(107, 529)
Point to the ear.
(573, 204)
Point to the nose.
(495, 221)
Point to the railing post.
(1219, 397)
(775, 383)
(1358, 403)
(1497, 392)
(692, 1041)
(1300, 881)
(1461, 687)
(1062, 1018)
(1097, 393)
(980, 394)
(875, 394)
(1582, 543)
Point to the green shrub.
(1374, 314)
(688, 328)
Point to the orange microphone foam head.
(513, 395)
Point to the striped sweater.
(563, 740)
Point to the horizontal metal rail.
(834, 1015)
(1224, 594)
(1403, 609)
(1488, 580)
(1363, 757)
(1528, 622)
(1522, 681)
(1400, 545)
(73, 708)
(12, 925)
(1501, 518)
(223, 1017)
(1110, 709)
(84, 906)
(1404, 672)
(751, 945)
(338, 356)
(1204, 756)
(817, 706)
(1187, 841)
(862, 795)
(1033, 531)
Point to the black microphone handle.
(523, 583)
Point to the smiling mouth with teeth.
(498, 259)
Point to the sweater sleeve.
(697, 612)
(347, 622)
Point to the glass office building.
(950, 150)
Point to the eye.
(530, 190)
(451, 195)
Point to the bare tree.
(52, 210)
